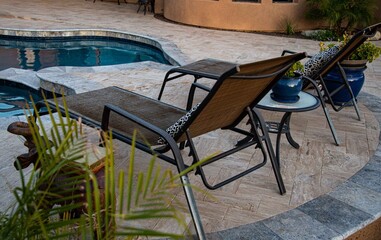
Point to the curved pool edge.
(170, 51)
(350, 207)
(21, 76)
(51, 81)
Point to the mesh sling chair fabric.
(232, 98)
(318, 84)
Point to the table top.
(208, 68)
(307, 102)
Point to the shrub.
(366, 51)
(289, 27)
(294, 70)
(342, 15)
(324, 35)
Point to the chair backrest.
(358, 39)
(225, 105)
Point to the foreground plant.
(70, 195)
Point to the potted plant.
(287, 89)
(354, 68)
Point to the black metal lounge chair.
(118, 1)
(147, 4)
(316, 79)
(232, 98)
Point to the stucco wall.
(226, 14)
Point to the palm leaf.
(62, 183)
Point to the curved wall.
(265, 16)
(244, 16)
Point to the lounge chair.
(118, 1)
(147, 4)
(330, 61)
(231, 99)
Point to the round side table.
(307, 102)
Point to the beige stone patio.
(316, 168)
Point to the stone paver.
(309, 172)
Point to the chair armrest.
(205, 68)
(171, 143)
(288, 52)
(192, 91)
(167, 79)
(293, 52)
(108, 108)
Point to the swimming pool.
(14, 98)
(35, 53)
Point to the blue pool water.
(14, 99)
(37, 53)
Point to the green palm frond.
(146, 197)
(62, 198)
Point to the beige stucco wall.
(226, 14)
(159, 6)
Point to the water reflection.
(14, 101)
(35, 55)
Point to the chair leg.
(200, 171)
(187, 189)
(182, 145)
(346, 86)
(356, 108)
(330, 123)
(322, 102)
(256, 139)
(254, 114)
(326, 112)
(152, 2)
(345, 79)
(193, 207)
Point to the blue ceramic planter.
(287, 90)
(356, 78)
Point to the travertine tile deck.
(315, 169)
